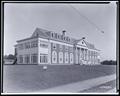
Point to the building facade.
(47, 47)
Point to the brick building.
(47, 47)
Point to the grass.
(32, 78)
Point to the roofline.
(26, 39)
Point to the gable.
(82, 43)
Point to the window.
(69, 39)
(71, 57)
(59, 37)
(56, 35)
(44, 44)
(64, 38)
(66, 48)
(54, 57)
(27, 45)
(43, 58)
(20, 59)
(27, 59)
(52, 35)
(66, 57)
(71, 49)
(34, 58)
(61, 47)
(34, 44)
(20, 46)
(54, 45)
(60, 57)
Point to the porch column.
(49, 52)
(76, 53)
(38, 51)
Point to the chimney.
(63, 32)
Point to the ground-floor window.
(54, 57)
(34, 58)
(43, 58)
(27, 59)
(71, 57)
(60, 57)
(20, 59)
(66, 57)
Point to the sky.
(79, 20)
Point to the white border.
(51, 2)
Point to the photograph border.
(61, 2)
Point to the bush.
(10, 56)
(109, 62)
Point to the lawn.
(32, 78)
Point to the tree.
(5, 57)
(108, 62)
(10, 56)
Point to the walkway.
(82, 85)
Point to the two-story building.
(47, 47)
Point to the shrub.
(109, 62)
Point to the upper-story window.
(34, 44)
(61, 47)
(27, 45)
(71, 49)
(64, 38)
(69, 39)
(66, 48)
(20, 46)
(52, 35)
(54, 46)
(59, 37)
(44, 44)
(56, 35)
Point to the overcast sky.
(21, 19)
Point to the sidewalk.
(111, 91)
(82, 85)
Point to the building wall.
(27, 53)
(43, 51)
(55, 52)
(61, 53)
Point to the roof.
(39, 32)
(89, 45)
